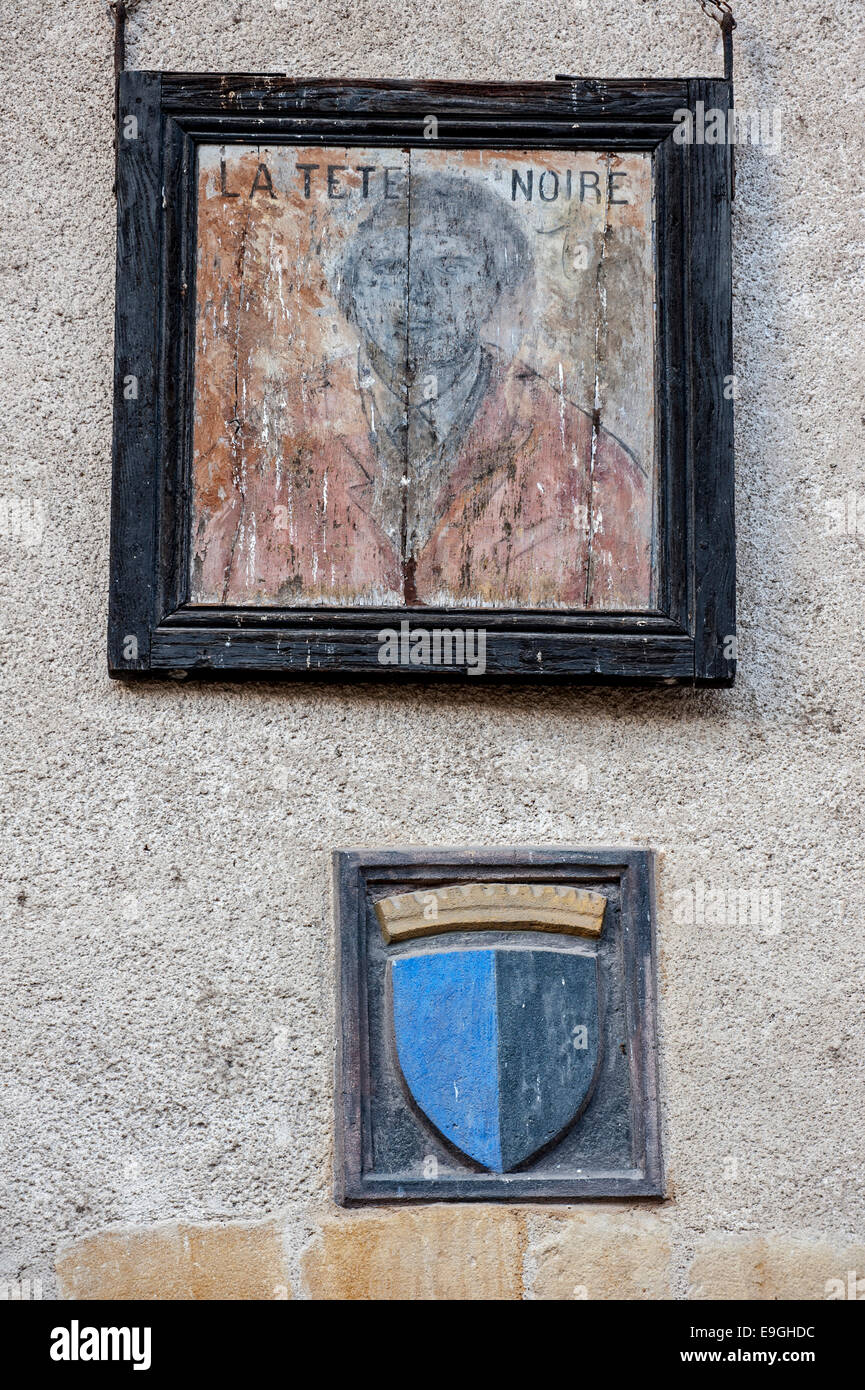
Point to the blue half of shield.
(499, 1048)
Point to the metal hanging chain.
(119, 10)
(720, 11)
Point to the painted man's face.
(430, 310)
(450, 298)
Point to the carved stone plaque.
(497, 1013)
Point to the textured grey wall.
(167, 1013)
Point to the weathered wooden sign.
(421, 379)
(497, 1025)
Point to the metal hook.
(720, 11)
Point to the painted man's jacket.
(536, 511)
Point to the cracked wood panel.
(424, 377)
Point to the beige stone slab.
(177, 1261)
(435, 1253)
(776, 1267)
(602, 1254)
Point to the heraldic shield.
(499, 1046)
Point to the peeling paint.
(380, 358)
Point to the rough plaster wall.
(167, 1015)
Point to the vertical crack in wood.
(408, 562)
(236, 422)
(599, 356)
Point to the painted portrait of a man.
(394, 438)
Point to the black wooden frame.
(153, 631)
(355, 1179)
